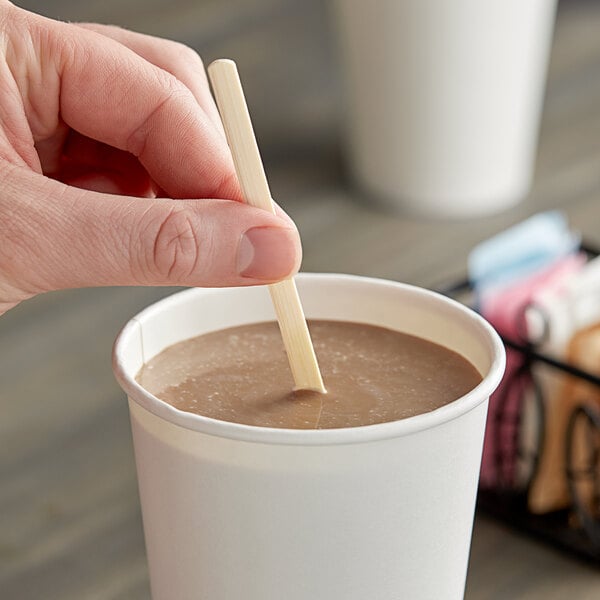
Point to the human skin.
(114, 168)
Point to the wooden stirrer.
(229, 94)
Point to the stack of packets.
(535, 287)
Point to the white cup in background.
(443, 100)
(378, 512)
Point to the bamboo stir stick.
(229, 95)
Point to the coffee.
(372, 375)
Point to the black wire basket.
(575, 529)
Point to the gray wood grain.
(70, 525)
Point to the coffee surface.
(372, 375)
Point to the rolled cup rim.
(313, 437)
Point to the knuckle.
(172, 87)
(173, 91)
(173, 252)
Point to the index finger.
(174, 57)
(111, 94)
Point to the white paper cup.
(237, 512)
(444, 100)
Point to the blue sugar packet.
(521, 250)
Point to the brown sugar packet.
(549, 490)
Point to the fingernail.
(268, 253)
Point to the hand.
(95, 123)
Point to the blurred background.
(69, 513)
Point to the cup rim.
(313, 437)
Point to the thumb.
(58, 237)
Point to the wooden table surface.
(70, 525)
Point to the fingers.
(175, 58)
(61, 237)
(110, 93)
